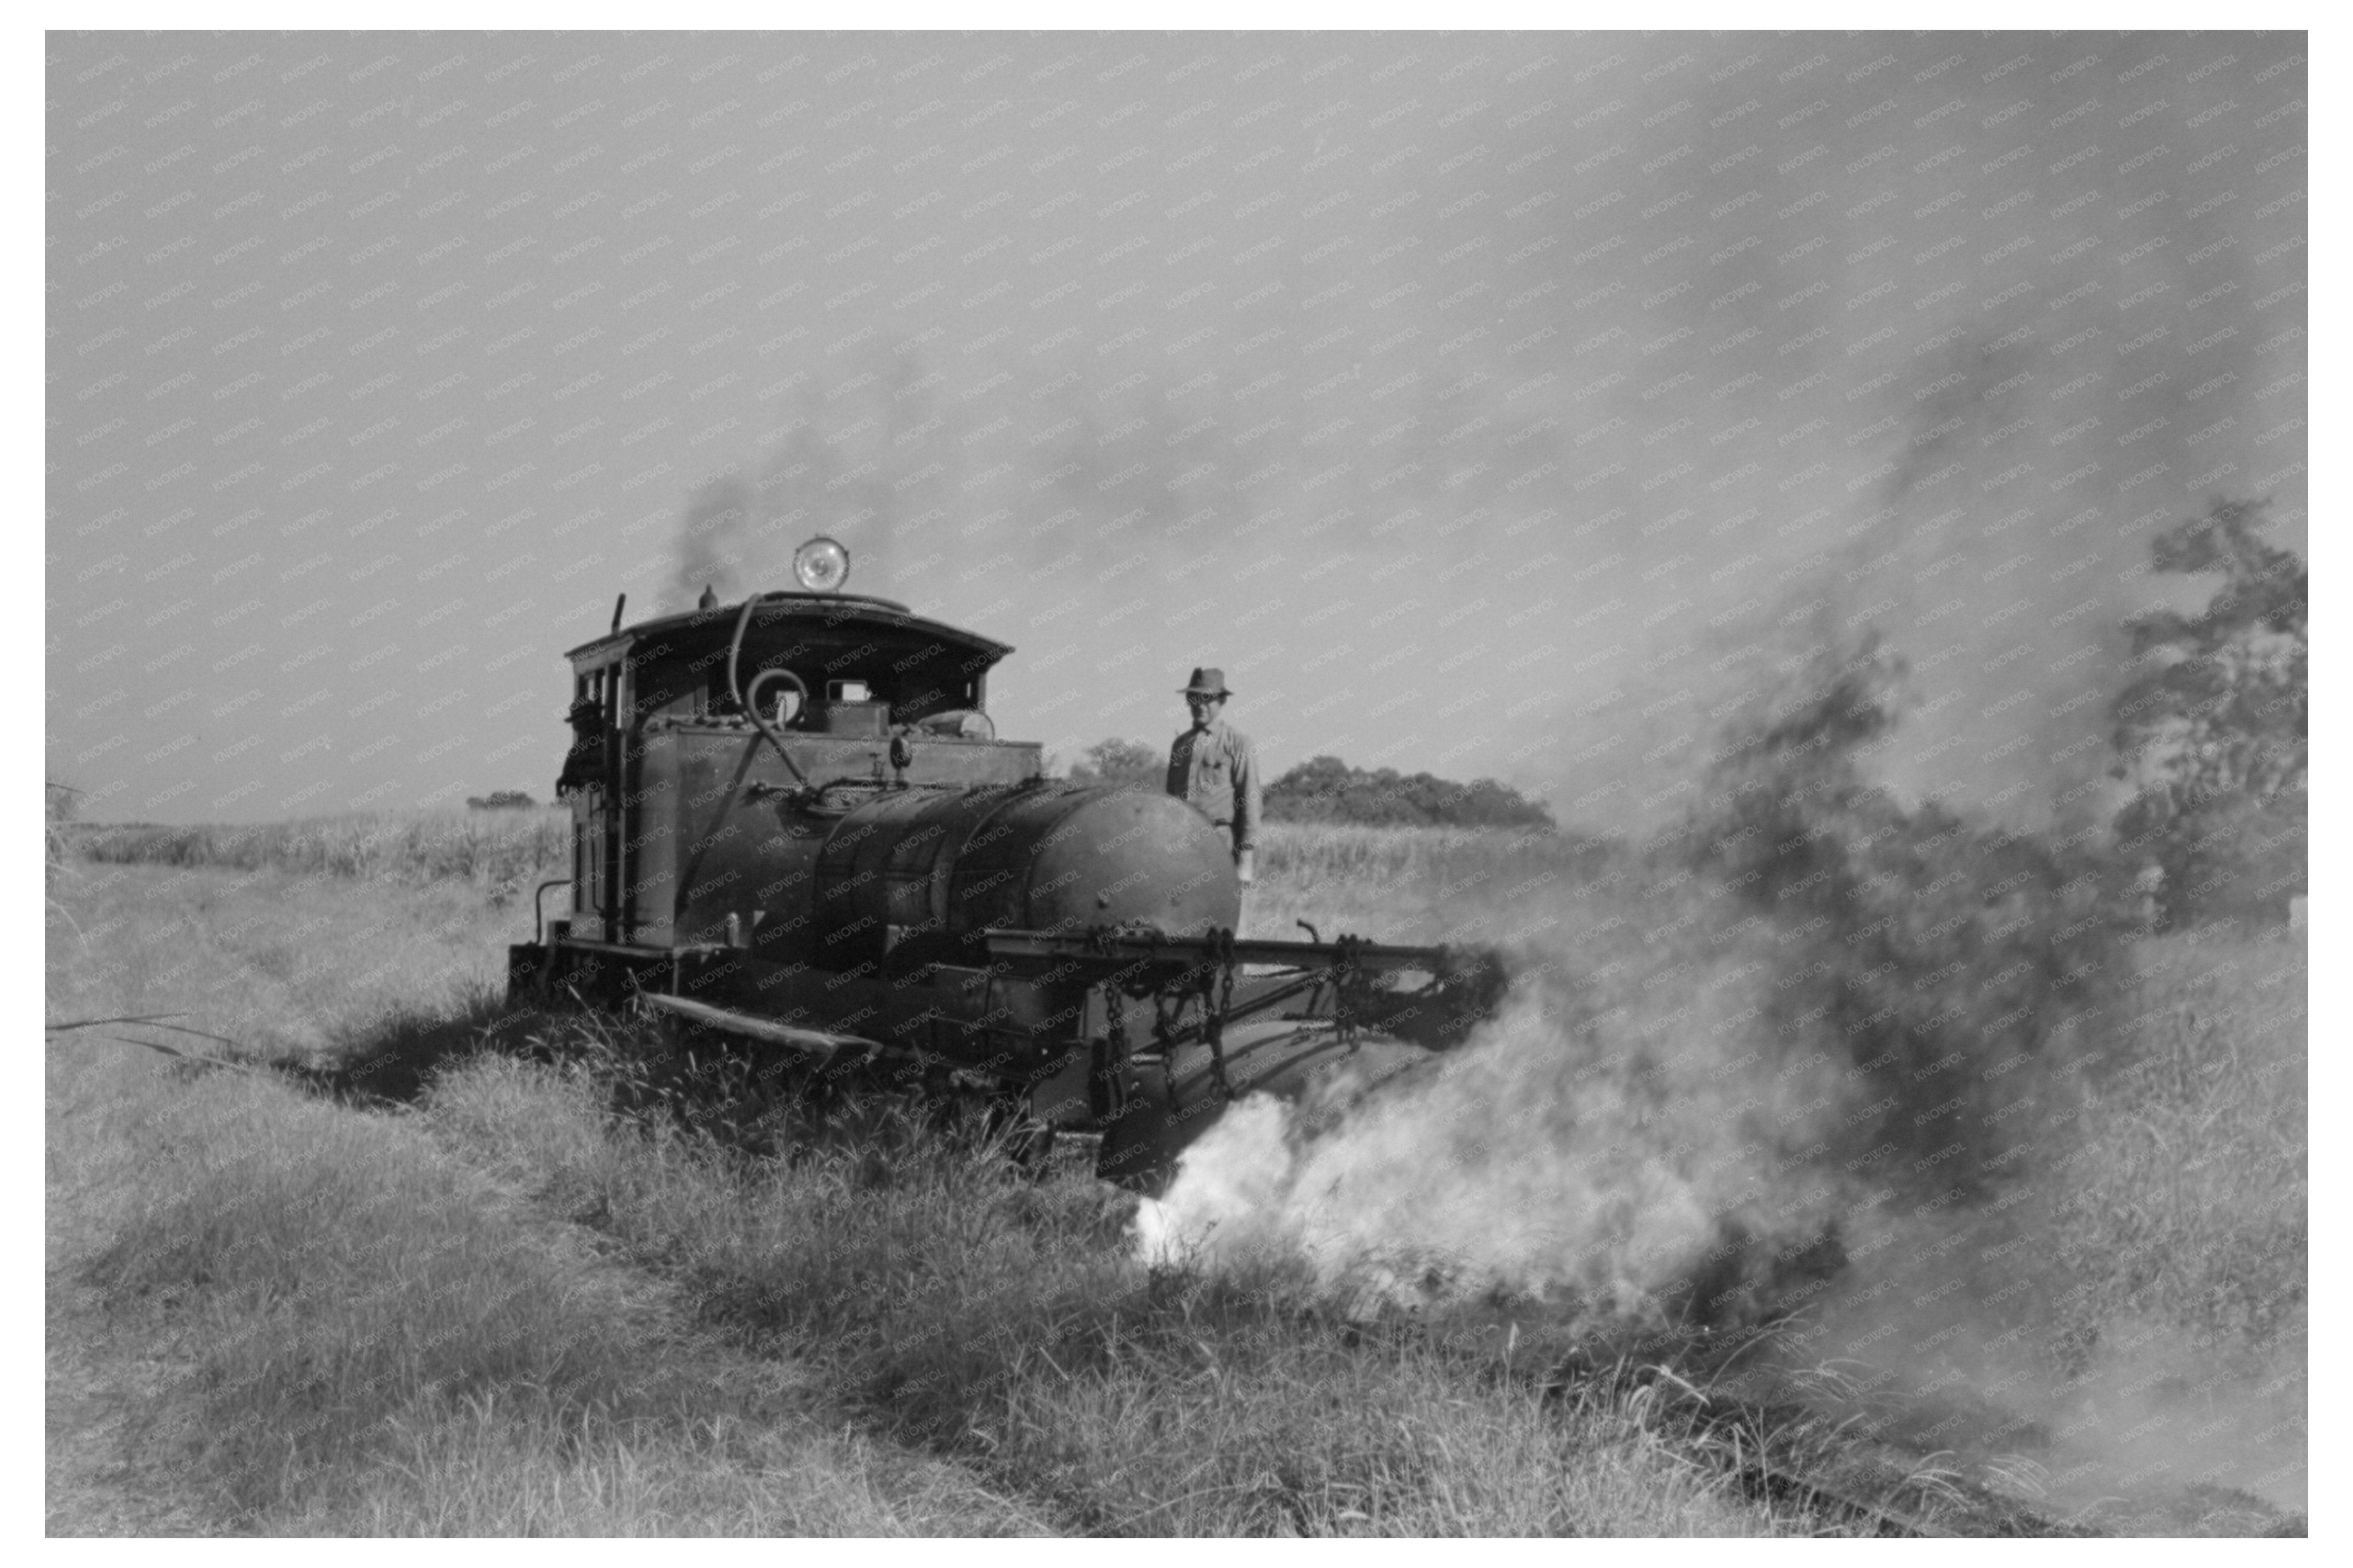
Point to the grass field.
(338, 1323)
(502, 1307)
(1311, 866)
(499, 848)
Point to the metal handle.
(539, 914)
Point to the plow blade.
(1362, 985)
(1147, 947)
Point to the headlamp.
(821, 565)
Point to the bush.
(2213, 732)
(1130, 763)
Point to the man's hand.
(1246, 866)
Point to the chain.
(1343, 978)
(1112, 1062)
(1216, 1000)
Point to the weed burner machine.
(792, 822)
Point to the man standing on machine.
(1214, 767)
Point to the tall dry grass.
(2187, 1199)
(374, 1339)
(1383, 879)
(506, 848)
(1408, 885)
(336, 1324)
(968, 1308)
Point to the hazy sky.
(1495, 403)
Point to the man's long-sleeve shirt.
(1216, 771)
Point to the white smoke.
(1595, 1149)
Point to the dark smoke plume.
(1805, 1010)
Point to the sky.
(1512, 405)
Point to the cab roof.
(856, 615)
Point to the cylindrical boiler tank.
(932, 866)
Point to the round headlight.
(821, 565)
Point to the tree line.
(1326, 790)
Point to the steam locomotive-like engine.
(792, 820)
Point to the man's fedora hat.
(1207, 683)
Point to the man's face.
(1205, 709)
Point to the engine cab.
(673, 793)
